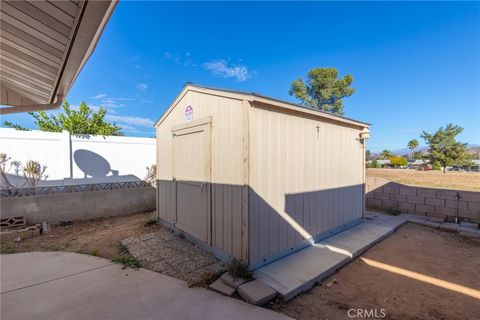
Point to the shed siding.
(303, 182)
(229, 215)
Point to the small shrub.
(94, 253)
(206, 278)
(239, 269)
(127, 262)
(150, 222)
(394, 211)
(122, 249)
(9, 249)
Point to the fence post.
(67, 150)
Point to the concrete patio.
(62, 285)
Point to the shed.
(255, 178)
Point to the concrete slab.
(469, 224)
(428, 223)
(229, 280)
(467, 228)
(413, 217)
(394, 223)
(256, 292)
(220, 287)
(298, 272)
(107, 292)
(467, 234)
(17, 271)
(359, 238)
(447, 226)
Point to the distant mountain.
(472, 148)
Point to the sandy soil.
(423, 250)
(99, 237)
(469, 181)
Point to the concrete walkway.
(300, 271)
(63, 285)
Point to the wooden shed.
(255, 178)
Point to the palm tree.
(412, 145)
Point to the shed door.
(191, 170)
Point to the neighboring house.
(475, 167)
(256, 178)
(417, 164)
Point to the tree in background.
(397, 161)
(323, 90)
(82, 121)
(444, 149)
(386, 154)
(8, 124)
(368, 155)
(412, 145)
(419, 155)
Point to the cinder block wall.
(386, 195)
(79, 205)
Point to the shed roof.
(265, 100)
(44, 46)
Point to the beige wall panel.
(306, 178)
(226, 136)
(229, 230)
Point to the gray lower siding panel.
(229, 221)
(307, 215)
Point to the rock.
(331, 283)
(220, 287)
(256, 292)
(231, 281)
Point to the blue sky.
(416, 65)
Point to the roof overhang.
(44, 45)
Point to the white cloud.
(142, 86)
(223, 69)
(183, 60)
(131, 121)
(100, 96)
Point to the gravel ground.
(166, 252)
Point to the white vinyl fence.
(78, 159)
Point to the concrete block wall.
(383, 194)
(79, 205)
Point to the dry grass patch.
(468, 181)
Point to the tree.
(397, 161)
(8, 124)
(412, 145)
(444, 149)
(368, 155)
(419, 155)
(81, 121)
(386, 154)
(323, 90)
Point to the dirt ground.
(469, 181)
(423, 250)
(99, 237)
(154, 247)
